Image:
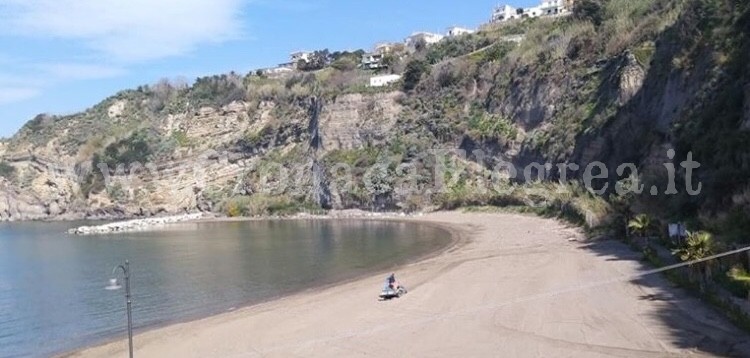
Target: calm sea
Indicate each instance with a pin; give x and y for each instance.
(52, 296)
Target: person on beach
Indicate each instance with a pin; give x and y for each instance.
(391, 282)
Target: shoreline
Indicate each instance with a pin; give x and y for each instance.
(457, 237)
(510, 267)
(162, 223)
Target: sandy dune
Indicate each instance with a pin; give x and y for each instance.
(516, 286)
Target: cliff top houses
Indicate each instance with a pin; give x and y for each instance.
(429, 38)
(374, 60)
(544, 9)
(454, 31)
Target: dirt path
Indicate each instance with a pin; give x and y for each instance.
(517, 287)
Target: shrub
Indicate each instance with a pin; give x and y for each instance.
(447, 75)
(644, 52)
(640, 225)
(569, 201)
(589, 10)
(181, 138)
(345, 63)
(413, 74)
(216, 91)
(39, 123)
(260, 205)
(737, 281)
(491, 126)
(455, 47)
(255, 139)
(270, 90)
(699, 245)
(116, 193)
(317, 61)
(234, 208)
(7, 171)
(495, 52)
(135, 149)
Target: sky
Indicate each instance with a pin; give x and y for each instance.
(63, 56)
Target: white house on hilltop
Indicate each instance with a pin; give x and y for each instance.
(505, 13)
(428, 37)
(545, 8)
(387, 47)
(458, 31)
(373, 61)
(300, 56)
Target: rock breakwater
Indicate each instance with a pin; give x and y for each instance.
(134, 225)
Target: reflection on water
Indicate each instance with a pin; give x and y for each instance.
(52, 296)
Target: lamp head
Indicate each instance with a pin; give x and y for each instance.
(113, 285)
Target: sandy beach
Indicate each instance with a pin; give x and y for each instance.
(512, 285)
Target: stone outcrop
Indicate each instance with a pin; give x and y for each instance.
(631, 78)
(18, 206)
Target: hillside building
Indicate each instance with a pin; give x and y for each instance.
(544, 9)
(458, 31)
(429, 38)
(373, 61)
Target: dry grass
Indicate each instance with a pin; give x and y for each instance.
(625, 23)
(550, 39)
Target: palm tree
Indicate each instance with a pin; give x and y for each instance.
(698, 246)
(640, 225)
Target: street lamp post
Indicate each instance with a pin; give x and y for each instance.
(113, 286)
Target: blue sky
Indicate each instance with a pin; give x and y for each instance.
(62, 56)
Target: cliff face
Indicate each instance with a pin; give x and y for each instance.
(209, 150)
(621, 86)
(355, 120)
(14, 205)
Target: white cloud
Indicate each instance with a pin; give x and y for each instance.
(80, 71)
(128, 30)
(114, 34)
(17, 94)
(19, 82)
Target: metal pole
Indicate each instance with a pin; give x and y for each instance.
(129, 302)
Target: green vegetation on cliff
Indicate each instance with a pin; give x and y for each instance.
(619, 81)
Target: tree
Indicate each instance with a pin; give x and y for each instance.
(217, 91)
(698, 246)
(590, 10)
(413, 74)
(640, 225)
(337, 55)
(162, 92)
(317, 61)
(389, 60)
(345, 63)
(420, 45)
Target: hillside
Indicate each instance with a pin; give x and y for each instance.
(620, 81)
